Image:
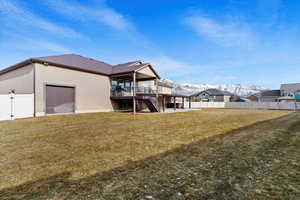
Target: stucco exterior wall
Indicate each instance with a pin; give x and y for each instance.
(226, 98)
(268, 99)
(219, 99)
(20, 80)
(92, 91)
(289, 89)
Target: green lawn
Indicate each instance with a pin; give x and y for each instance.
(208, 154)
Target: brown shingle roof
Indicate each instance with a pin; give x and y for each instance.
(78, 62)
(127, 67)
(266, 93)
(214, 92)
(81, 63)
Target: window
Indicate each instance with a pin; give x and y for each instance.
(114, 84)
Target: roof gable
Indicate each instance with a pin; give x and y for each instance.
(147, 69)
(135, 66)
(126, 67)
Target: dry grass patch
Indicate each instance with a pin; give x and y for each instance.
(86, 144)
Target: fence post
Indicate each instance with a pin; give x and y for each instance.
(12, 99)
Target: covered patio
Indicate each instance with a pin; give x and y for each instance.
(176, 102)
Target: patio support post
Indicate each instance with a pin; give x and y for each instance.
(190, 102)
(182, 102)
(164, 103)
(174, 102)
(157, 103)
(134, 92)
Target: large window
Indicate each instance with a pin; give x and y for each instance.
(121, 83)
(114, 84)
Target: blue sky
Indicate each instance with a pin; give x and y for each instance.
(250, 42)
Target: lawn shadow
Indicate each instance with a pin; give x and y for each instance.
(201, 168)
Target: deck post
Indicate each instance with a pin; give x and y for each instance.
(164, 103)
(157, 103)
(174, 102)
(182, 102)
(134, 92)
(190, 102)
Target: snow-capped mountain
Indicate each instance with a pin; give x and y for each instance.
(188, 89)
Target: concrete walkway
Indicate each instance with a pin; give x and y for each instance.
(171, 110)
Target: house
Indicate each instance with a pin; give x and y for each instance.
(286, 99)
(237, 98)
(287, 93)
(253, 97)
(268, 95)
(75, 84)
(213, 95)
(290, 90)
(240, 99)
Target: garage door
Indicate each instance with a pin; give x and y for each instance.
(60, 99)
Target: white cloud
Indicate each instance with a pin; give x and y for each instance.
(19, 18)
(46, 45)
(111, 18)
(34, 45)
(100, 14)
(105, 15)
(170, 67)
(229, 34)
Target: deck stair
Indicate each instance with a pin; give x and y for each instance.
(151, 102)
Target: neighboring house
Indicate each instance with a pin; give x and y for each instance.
(236, 98)
(241, 100)
(290, 90)
(268, 96)
(213, 95)
(75, 84)
(297, 96)
(253, 97)
(286, 99)
(287, 93)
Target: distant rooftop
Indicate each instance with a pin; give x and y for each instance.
(270, 93)
(214, 92)
(290, 86)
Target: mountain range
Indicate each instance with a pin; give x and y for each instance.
(189, 89)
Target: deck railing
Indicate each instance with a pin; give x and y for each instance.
(128, 91)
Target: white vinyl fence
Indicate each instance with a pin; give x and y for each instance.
(264, 105)
(247, 105)
(16, 106)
